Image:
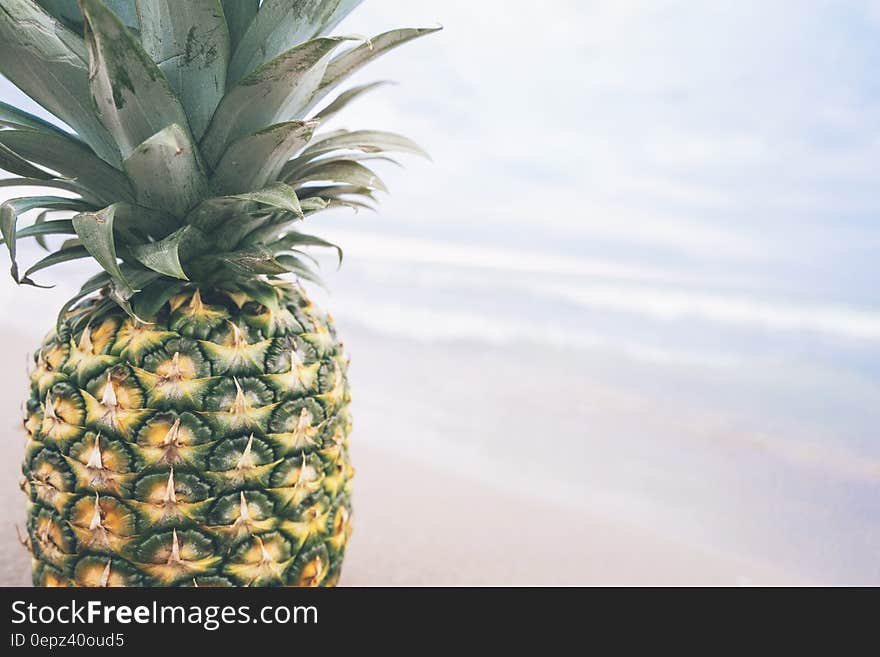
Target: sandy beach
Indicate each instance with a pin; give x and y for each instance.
(448, 531)
(416, 524)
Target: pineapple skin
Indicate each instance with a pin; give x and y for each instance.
(208, 448)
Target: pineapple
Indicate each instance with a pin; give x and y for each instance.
(188, 421)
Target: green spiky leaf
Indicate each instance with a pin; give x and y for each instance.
(239, 14)
(166, 172)
(211, 213)
(122, 292)
(148, 302)
(36, 230)
(329, 192)
(54, 183)
(293, 265)
(13, 117)
(368, 141)
(346, 64)
(66, 11)
(14, 163)
(232, 234)
(341, 171)
(50, 64)
(164, 256)
(62, 255)
(69, 12)
(95, 283)
(228, 233)
(41, 239)
(95, 229)
(13, 208)
(293, 238)
(279, 196)
(293, 169)
(71, 158)
(343, 100)
(133, 98)
(252, 261)
(312, 204)
(134, 224)
(190, 42)
(281, 24)
(283, 86)
(253, 161)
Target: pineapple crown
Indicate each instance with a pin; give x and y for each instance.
(196, 147)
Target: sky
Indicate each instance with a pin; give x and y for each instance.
(727, 135)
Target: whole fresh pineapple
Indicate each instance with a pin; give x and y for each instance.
(188, 417)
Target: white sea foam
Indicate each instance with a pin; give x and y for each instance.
(653, 292)
(393, 248)
(433, 325)
(670, 304)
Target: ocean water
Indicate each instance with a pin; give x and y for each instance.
(744, 419)
(815, 362)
